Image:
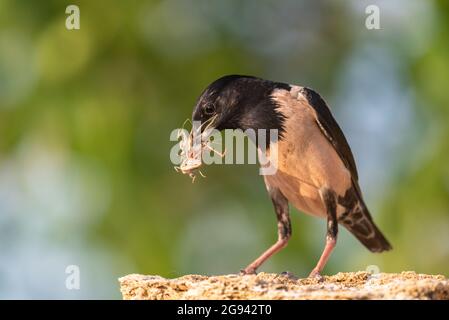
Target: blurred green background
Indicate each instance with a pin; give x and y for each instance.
(85, 119)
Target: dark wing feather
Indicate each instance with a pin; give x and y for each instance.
(331, 130)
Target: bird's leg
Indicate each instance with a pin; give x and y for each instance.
(330, 203)
(284, 231)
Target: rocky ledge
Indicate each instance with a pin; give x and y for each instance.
(351, 285)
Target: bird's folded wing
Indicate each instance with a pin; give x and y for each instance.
(331, 130)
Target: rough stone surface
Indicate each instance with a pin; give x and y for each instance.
(352, 285)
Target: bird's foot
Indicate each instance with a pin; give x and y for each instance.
(247, 271)
(315, 274)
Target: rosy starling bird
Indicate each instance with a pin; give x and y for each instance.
(316, 171)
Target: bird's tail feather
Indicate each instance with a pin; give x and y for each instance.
(361, 225)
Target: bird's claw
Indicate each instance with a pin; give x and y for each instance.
(315, 274)
(247, 271)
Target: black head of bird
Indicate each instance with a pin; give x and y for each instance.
(317, 172)
(239, 102)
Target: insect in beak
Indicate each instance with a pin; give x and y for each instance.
(192, 146)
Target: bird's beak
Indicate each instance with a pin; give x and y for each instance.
(204, 129)
(199, 137)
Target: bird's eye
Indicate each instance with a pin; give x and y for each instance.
(209, 109)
